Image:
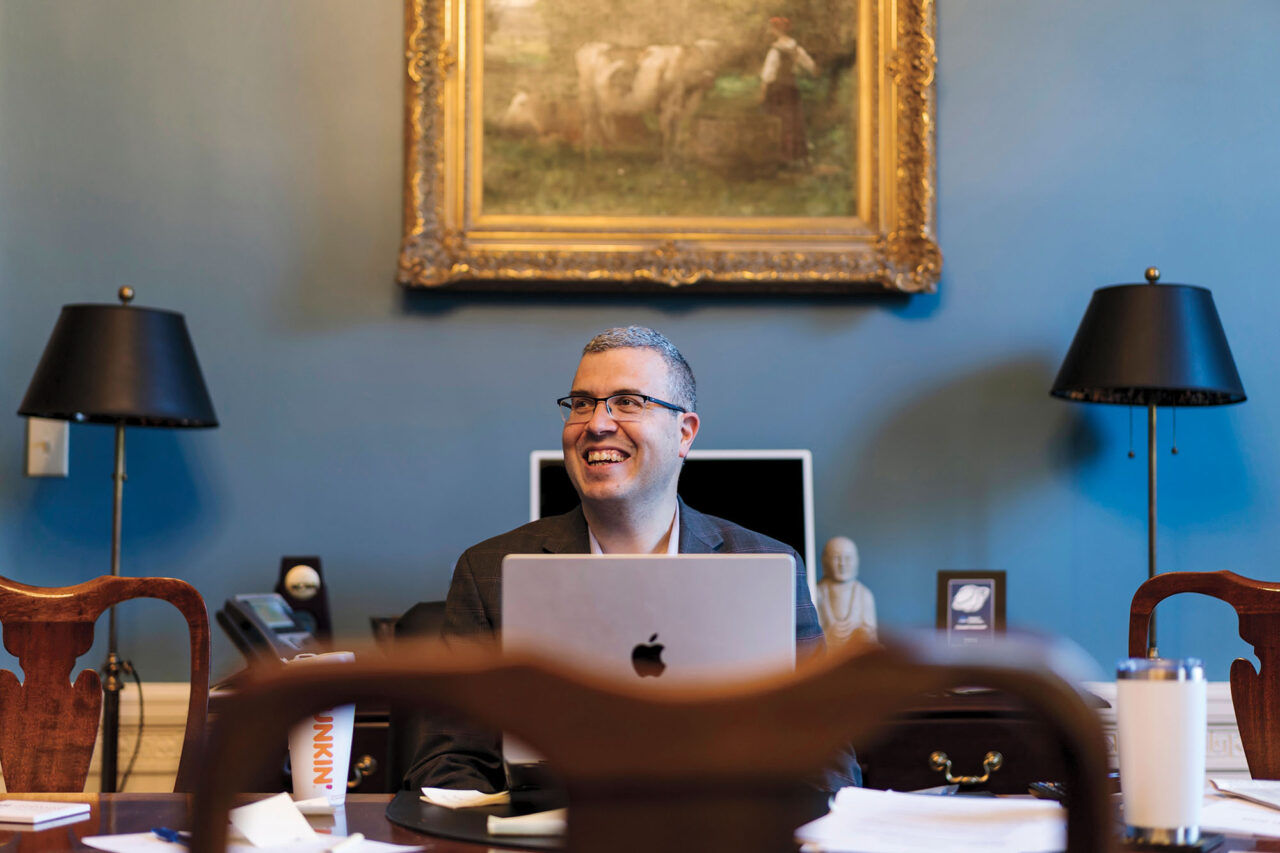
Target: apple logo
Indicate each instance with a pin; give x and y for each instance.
(647, 658)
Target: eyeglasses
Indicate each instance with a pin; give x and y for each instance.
(577, 409)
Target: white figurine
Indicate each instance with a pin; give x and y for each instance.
(846, 608)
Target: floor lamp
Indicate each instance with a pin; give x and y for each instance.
(1150, 345)
(124, 366)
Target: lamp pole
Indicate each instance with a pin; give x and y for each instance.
(1152, 652)
(1152, 275)
(114, 667)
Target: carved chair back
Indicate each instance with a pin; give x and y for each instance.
(708, 769)
(1255, 694)
(48, 725)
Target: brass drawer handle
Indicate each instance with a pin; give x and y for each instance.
(364, 766)
(991, 762)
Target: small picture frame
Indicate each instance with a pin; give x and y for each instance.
(971, 606)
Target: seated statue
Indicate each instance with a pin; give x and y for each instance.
(846, 608)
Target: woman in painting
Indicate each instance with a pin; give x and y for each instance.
(778, 91)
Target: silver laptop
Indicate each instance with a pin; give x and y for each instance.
(653, 620)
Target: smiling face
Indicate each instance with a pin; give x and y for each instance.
(635, 465)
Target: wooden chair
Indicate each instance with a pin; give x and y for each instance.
(47, 724)
(706, 770)
(1255, 694)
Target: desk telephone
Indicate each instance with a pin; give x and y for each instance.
(264, 627)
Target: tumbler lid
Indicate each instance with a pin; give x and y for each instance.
(1161, 669)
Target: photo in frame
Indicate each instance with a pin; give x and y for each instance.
(723, 145)
(971, 606)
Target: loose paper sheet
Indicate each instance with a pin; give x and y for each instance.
(274, 824)
(1265, 792)
(451, 799)
(550, 822)
(866, 821)
(1239, 817)
(146, 842)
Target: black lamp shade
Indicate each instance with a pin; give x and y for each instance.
(120, 364)
(1150, 344)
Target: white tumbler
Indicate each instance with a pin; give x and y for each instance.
(320, 745)
(1161, 721)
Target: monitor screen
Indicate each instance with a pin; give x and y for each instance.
(271, 609)
(768, 491)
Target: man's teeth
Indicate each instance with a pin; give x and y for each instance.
(598, 456)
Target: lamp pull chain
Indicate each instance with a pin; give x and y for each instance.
(1174, 448)
(1131, 432)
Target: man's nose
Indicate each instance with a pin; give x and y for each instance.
(601, 420)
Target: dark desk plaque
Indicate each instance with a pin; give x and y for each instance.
(971, 606)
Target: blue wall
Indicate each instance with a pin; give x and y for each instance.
(240, 162)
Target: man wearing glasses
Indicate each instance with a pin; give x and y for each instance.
(629, 422)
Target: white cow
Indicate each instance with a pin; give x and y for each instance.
(668, 80)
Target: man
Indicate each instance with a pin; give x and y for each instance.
(779, 92)
(630, 420)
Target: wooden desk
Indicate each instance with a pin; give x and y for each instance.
(120, 813)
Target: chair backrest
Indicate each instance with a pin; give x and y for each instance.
(707, 770)
(47, 724)
(1255, 694)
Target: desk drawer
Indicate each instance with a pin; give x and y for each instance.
(901, 759)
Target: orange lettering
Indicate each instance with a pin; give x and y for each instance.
(324, 775)
(324, 734)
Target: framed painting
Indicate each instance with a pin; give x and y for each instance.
(971, 606)
(773, 146)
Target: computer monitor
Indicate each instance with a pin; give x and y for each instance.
(769, 491)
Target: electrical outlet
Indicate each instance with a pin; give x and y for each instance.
(47, 444)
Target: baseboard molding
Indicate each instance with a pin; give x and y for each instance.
(1224, 752)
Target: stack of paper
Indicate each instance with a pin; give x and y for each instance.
(866, 821)
(40, 811)
(1246, 807)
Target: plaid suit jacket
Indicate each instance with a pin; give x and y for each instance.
(453, 756)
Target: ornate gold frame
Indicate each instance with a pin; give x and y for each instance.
(888, 246)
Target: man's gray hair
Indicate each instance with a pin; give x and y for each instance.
(683, 387)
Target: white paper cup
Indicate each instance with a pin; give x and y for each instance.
(1161, 721)
(320, 745)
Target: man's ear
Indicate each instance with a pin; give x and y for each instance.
(689, 422)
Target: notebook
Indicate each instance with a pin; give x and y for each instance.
(652, 620)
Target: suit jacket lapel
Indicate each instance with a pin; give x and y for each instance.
(697, 534)
(567, 534)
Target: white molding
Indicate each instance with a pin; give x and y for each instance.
(1224, 751)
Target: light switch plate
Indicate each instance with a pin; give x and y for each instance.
(48, 442)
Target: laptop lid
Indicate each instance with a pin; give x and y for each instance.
(653, 619)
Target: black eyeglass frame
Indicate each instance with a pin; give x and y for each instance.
(566, 412)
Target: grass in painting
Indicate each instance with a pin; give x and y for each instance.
(524, 177)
